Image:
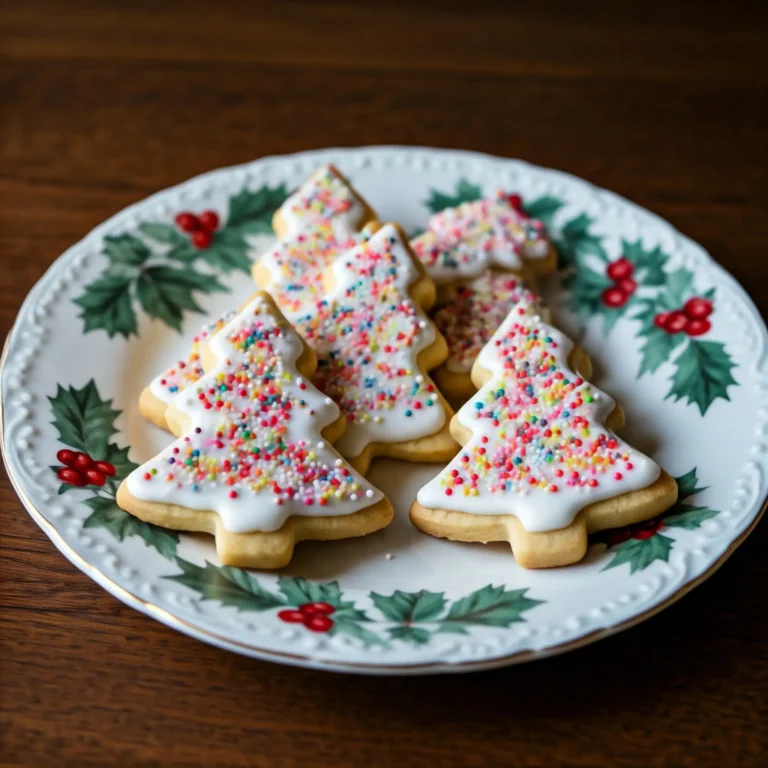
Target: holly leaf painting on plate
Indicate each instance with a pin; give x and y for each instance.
(465, 193)
(85, 423)
(157, 274)
(419, 615)
(642, 544)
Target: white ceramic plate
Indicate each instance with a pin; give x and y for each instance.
(104, 318)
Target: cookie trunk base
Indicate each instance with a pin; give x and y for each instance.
(258, 550)
(549, 549)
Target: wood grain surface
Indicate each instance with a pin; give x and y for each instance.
(103, 103)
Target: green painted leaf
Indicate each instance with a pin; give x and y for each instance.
(228, 252)
(465, 192)
(543, 209)
(165, 292)
(125, 249)
(686, 485)
(184, 252)
(410, 606)
(703, 374)
(254, 209)
(575, 243)
(298, 591)
(232, 587)
(119, 458)
(415, 635)
(657, 349)
(490, 606)
(163, 233)
(346, 626)
(106, 514)
(678, 287)
(649, 263)
(106, 305)
(640, 553)
(688, 517)
(83, 420)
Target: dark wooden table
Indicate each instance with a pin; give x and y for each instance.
(104, 103)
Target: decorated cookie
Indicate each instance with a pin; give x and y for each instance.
(165, 387)
(321, 220)
(540, 466)
(468, 322)
(375, 345)
(461, 243)
(252, 464)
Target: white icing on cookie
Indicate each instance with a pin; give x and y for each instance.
(539, 448)
(253, 452)
(463, 242)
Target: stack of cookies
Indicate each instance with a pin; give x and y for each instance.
(359, 344)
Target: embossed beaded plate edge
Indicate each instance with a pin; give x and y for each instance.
(433, 606)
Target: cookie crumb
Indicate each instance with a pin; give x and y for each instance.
(389, 556)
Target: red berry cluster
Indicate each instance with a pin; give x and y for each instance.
(80, 469)
(314, 616)
(620, 272)
(640, 531)
(691, 319)
(515, 202)
(200, 228)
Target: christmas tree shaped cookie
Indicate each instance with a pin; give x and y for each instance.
(540, 466)
(317, 223)
(252, 464)
(375, 346)
(165, 387)
(461, 243)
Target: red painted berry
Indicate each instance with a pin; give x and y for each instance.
(318, 622)
(515, 201)
(646, 530)
(310, 609)
(202, 238)
(105, 468)
(187, 222)
(82, 461)
(697, 308)
(70, 476)
(94, 477)
(675, 322)
(628, 285)
(66, 457)
(620, 269)
(697, 327)
(614, 297)
(209, 220)
(660, 321)
(618, 536)
(291, 617)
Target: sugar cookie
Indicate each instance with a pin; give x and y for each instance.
(252, 464)
(540, 467)
(461, 243)
(375, 345)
